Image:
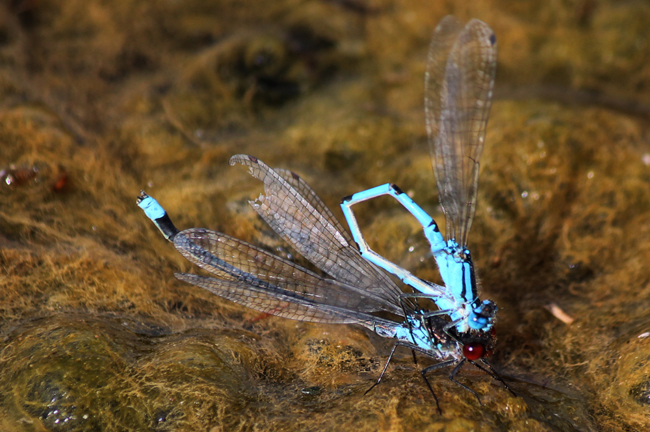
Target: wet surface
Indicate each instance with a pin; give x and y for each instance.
(102, 100)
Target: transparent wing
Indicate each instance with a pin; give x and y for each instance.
(459, 80)
(263, 281)
(295, 212)
(286, 304)
(269, 299)
(305, 191)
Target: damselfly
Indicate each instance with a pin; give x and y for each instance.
(355, 291)
(459, 80)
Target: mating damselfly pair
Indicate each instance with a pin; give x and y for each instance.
(355, 287)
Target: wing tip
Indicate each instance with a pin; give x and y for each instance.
(243, 159)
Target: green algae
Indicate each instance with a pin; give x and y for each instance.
(98, 335)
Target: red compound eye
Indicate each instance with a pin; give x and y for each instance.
(473, 351)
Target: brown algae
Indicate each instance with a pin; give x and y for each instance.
(96, 332)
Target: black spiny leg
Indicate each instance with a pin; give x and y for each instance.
(390, 357)
(426, 370)
(490, 371)
(452, 376)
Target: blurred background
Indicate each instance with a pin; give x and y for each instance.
(99, 100)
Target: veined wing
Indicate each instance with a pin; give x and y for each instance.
(254, 278)
(459, 80)
(273, 300)
(305, 191)
(293, 210)
(267, 299)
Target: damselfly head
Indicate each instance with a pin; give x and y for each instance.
(474, 351)
(476, 343)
